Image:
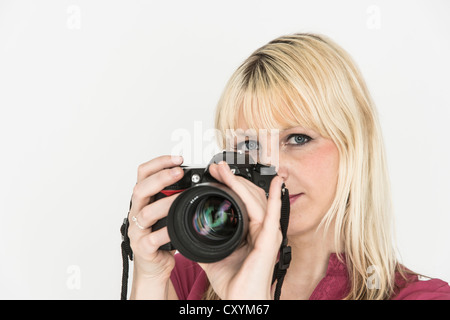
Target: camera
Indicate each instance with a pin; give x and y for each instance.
(208, 220)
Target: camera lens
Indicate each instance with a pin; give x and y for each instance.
(215, 219)
(207, 222)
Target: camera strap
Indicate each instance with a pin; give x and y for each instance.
(285, 251)
(127, 253)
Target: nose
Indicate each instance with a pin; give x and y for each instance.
(283, 166)
(283, 173)
(276, 160)
(268, 153)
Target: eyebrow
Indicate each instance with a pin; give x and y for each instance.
(239, 133)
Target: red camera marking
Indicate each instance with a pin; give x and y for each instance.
(171, 192)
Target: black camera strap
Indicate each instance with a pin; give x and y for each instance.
(127, 253)
(285, 251)
(280, 267)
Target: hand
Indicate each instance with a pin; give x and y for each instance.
(247, 272)
(153, 176)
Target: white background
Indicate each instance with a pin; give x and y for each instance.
(91, 89)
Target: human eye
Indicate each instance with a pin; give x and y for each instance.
(247, 146)
(298, 139)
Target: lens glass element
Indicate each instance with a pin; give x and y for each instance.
(215, 218)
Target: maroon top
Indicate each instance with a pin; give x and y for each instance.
(190, 283)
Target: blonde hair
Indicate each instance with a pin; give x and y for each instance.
(308, 80)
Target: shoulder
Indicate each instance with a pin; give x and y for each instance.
(418, 289)
(188, 279)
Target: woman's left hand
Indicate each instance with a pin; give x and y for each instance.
(247, 272)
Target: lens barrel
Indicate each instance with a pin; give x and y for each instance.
(207, 222)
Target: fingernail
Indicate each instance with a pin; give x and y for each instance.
(176, 171)
(177, 159)
(279, 181)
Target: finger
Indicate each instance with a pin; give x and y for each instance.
(155, 211)
(154, 184)
(274, 201)
(227, 177)
(245, 189)
(214, 171)
(157, 164)
(271, 233)
(151, 242)
(222, 173)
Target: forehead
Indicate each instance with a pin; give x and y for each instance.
(273, 109)
(259, 121)
(243, 129)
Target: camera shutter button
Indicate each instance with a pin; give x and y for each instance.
(195, 178)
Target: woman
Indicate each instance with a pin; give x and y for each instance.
(308, 91)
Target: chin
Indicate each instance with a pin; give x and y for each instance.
(301, 224)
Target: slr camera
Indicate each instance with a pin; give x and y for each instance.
(208, 220)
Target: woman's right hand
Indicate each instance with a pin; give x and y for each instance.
(152, 266)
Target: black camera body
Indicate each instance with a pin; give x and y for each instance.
(208, 221)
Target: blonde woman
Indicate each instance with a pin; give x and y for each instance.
(330, 153)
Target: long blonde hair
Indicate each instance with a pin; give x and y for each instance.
(308, 80)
